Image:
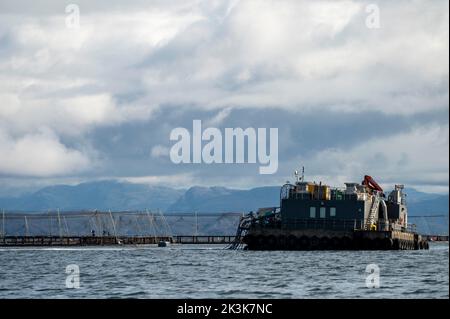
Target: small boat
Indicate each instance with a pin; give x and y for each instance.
(163, 243)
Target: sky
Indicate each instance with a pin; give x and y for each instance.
(97, 100)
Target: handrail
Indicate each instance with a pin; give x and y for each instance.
(333, 223)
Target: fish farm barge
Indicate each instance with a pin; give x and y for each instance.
(317, 217)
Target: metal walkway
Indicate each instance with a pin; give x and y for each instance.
(37, 241)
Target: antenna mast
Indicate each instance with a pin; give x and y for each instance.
(300, 178)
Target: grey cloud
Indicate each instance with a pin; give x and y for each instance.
(302, 134)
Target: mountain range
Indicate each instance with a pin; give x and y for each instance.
(115, 196)
(120, 196)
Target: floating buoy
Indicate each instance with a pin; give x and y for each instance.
(163, 243)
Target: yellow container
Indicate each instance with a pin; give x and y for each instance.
(322, 192)
(326, 192)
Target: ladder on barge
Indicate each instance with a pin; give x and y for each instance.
(244, 225)
(373, 213)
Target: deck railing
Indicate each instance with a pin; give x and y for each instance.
(332, 224)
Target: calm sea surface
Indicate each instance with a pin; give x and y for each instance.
(191, 271)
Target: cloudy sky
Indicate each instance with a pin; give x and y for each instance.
(99, 101)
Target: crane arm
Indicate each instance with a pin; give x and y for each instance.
(370, 182)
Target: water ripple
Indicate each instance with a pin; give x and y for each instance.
(211, 272)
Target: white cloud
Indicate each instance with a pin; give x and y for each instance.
(68, 79)
(415, 158)
(39, 154)
(305, 54)
(219, 118)
(159, 151)
(72, 115)
(294, 54)
(173, 180)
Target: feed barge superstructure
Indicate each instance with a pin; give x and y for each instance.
(314, 216)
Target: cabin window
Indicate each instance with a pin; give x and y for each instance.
(312, 212)
(332, 211)
(323, 211)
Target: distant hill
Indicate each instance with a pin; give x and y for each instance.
(101, 195)
(219, 199)
(414, 196)
(434, 212)
(437, 205)
(104, 195)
